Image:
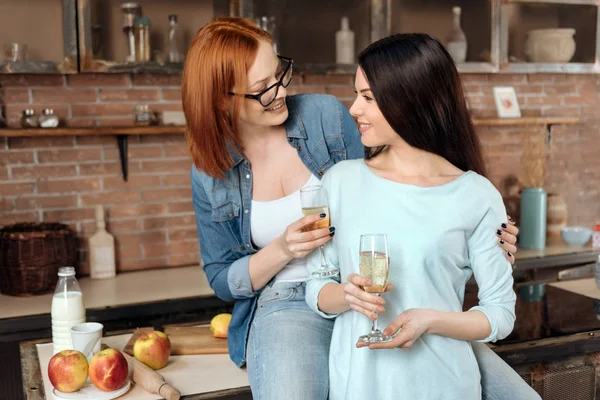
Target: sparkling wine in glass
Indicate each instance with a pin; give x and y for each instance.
(314, 201)
(374, 265)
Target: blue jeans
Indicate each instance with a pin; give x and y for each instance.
(288, 347)
(288, 352)
(498, 380)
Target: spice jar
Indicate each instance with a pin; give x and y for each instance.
(142, 115)
(48, 119)
(142, 39)
(130, 11)
(29, 119)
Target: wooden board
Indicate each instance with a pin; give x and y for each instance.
(186, 340)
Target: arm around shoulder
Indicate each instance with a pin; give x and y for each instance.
(492, 271)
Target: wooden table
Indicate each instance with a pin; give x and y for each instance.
(33, 378)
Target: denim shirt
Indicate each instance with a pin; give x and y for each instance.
(323, 132)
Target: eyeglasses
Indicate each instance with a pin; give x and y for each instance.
(268, 96)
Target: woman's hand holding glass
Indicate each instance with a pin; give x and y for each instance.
(360, 300)
(297, 242)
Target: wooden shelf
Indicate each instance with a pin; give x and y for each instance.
(567, 2)
(107, 131)
(552, 68)
(175, 130)
(526, 121)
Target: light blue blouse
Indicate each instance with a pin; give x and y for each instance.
(438, 238)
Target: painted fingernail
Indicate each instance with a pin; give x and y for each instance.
(509, 254)
(323, 215)
(331, 234)
(331, 229)
(501, 241)
(504, 226)
(498, 232)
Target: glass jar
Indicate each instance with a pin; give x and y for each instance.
(142, 39)
(29, 119)
(130, 12)
(142, 115)
(48, 119)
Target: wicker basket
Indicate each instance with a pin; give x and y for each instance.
(30, 255)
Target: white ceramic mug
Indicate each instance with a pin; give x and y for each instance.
(87, 338)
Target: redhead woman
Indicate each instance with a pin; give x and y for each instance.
(253, 148)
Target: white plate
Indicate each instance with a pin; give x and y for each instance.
(91, 392)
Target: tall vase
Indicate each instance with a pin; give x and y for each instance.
(533, 218)
(456, 42)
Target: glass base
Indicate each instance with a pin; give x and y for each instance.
(325, 273)
(375, 337)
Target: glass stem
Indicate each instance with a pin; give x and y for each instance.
(323, 262)
(375, 326)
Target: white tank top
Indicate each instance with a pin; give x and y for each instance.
(269, 219)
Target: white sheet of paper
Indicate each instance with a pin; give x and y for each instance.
(191, 374)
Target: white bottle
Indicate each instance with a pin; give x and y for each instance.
(175, 50)
(67, 309)
(344, 44)
(102, 249)
(456, 42)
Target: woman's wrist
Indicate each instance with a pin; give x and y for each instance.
(284, 256)
(434, 321)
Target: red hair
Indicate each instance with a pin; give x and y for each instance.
(217, 62)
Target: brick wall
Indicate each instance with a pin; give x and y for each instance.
(151, 216)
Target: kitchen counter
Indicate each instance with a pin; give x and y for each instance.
(141, 298)
(555, 255)
(125, 289)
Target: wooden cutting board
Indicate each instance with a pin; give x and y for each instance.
(186, 340)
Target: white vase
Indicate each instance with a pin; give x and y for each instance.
(456, 42)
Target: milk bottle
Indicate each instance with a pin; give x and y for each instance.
(67, 309)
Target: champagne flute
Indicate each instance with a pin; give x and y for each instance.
(314, 202)
(374, 265)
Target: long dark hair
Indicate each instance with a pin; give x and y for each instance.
(419, 92)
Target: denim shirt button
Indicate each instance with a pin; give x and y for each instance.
(246, 211)
(247, 176)
(248, 245)
(290, 140)
(299, 148)
(320, 173)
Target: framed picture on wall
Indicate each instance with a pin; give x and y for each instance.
(506, 102)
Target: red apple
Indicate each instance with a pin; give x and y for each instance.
(109, 370)
(153, 348)
(68, 370)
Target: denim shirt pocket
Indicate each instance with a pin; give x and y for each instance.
(226, 212)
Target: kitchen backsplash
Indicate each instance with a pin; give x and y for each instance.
(62, 178)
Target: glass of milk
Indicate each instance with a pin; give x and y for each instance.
(67, 309)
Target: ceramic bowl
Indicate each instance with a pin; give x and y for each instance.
(576, 235)
(550, 45)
